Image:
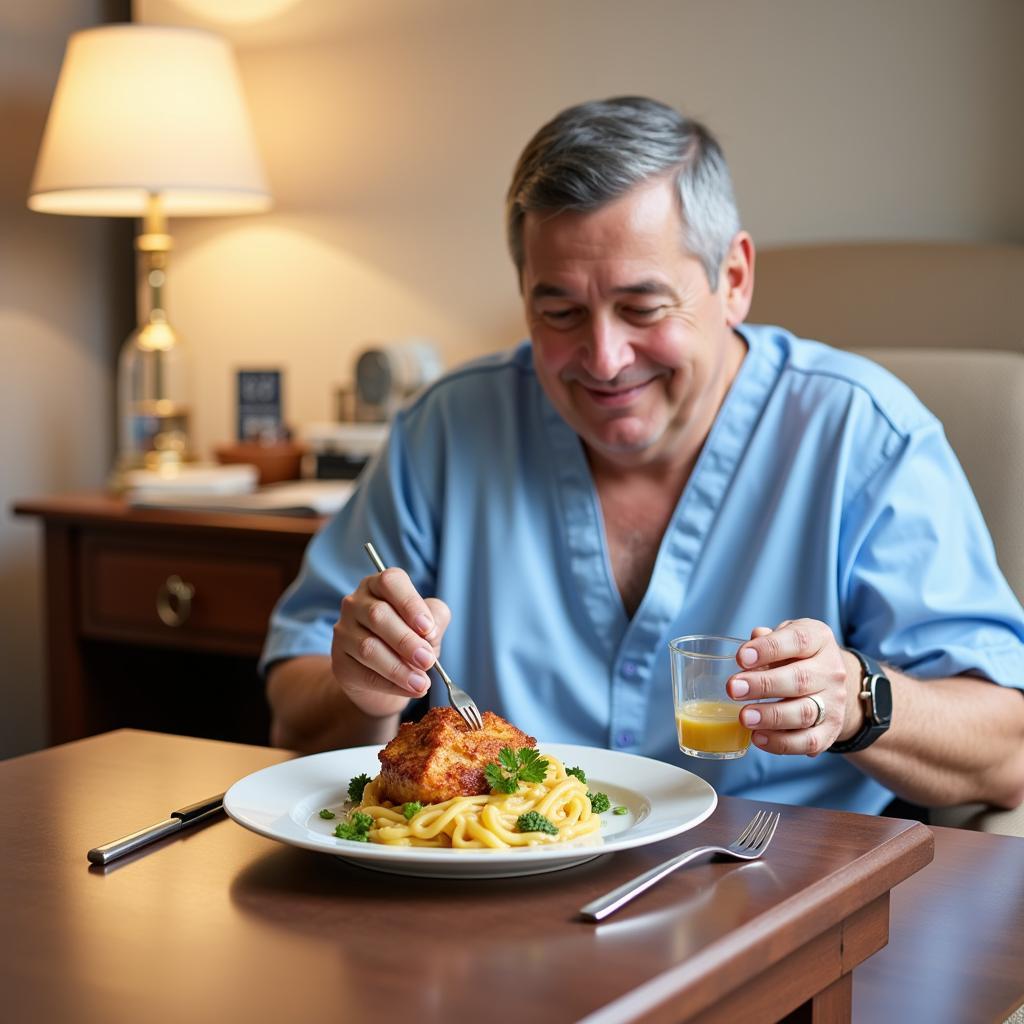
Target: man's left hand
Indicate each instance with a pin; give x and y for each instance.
(801, 667)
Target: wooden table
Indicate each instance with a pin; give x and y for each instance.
(113, 616)
(219, 924)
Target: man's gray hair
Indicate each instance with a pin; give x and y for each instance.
(595, 152)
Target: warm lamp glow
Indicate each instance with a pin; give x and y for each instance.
(238, 12)
(147, 110)
(149, 122)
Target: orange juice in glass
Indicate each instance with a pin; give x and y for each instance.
(707, 720)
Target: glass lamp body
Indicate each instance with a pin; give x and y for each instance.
(153, 399)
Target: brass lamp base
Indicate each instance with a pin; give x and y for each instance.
(153, 376)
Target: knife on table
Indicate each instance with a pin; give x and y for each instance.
(179, 819)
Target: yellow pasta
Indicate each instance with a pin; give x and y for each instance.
(479, 822)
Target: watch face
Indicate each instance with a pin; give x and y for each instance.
(881, 698)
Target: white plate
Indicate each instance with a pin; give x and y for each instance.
(283, 802)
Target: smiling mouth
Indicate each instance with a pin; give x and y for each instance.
(615, 397)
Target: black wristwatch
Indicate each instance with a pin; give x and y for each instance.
(876, 692)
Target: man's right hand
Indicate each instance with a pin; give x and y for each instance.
(385, 640)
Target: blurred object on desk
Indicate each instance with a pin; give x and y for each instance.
(260, 400)
(275, 461)
(194, 478)
(340, 450)
(290, 498)
(385, 376)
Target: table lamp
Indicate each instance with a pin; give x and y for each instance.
(149, 121)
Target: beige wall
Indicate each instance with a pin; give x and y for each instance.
(58, 293)
(389, 132)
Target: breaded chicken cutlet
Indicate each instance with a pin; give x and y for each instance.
(440, 757)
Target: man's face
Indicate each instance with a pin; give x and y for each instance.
(627, 334)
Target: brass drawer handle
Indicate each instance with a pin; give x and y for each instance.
(174, 601)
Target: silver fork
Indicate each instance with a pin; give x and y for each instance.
(752, 842)
(459, 699)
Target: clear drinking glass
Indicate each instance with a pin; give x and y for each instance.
(707, 719)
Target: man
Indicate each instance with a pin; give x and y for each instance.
(648, 466)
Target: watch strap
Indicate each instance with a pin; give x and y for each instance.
(871, 729)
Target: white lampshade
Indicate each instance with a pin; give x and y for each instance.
(146, 110)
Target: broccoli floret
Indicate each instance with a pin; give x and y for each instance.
(599, 802)
(410, 809)
(534, 821)
(356, 787)
(578, 772)
(356, 829)
(326, 814)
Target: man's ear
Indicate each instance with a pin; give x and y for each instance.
(737, 279)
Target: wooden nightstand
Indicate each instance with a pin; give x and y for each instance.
(155, 618)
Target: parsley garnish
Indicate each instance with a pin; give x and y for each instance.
(356, 829)
(410, 809)
(325, 813)
(525, 765)
(599, 802)
(534, 821)
(578, 772)
(356, 787)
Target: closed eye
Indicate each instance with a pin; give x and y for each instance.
(563, 318)
(641, 315)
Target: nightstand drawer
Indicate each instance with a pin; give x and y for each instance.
(178, 596)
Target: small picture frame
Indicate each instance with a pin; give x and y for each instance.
(260, 407)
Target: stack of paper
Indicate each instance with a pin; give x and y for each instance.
(300, 497)
(190, 478)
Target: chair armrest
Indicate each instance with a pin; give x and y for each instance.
(980, 818)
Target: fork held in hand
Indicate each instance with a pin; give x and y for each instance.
(459, 699)
(752, 842)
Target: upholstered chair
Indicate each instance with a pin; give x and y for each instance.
(946, 319)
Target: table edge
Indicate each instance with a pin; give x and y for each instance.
(108, 510)
(743, 953)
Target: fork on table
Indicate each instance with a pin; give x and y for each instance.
(749, 845)
(457, 697)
